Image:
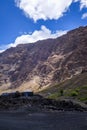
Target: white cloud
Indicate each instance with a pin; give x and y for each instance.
(47, 9)
(44, 9)
(2, 51)
(83, 4)
(43, 33)
(84, 16)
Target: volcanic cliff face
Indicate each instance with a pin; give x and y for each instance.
(40, 64)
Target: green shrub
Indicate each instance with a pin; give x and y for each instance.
(61, 92)
(74, 93)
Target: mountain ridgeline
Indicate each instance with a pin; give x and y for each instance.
(44, 63)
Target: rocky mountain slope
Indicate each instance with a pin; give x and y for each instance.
(41, 64)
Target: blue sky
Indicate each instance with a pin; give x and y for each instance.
(26, 21)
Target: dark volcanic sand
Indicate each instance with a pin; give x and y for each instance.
(43, 121)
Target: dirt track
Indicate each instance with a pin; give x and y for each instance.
(43, 121)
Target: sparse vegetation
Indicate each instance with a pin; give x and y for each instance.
(54, 96)
(75, 88)
(83, 99)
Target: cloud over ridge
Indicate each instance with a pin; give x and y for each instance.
(43, 33)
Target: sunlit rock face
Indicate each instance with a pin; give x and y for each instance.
(37, 65)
